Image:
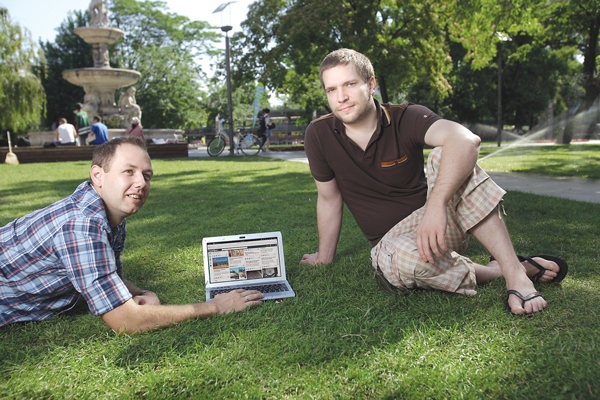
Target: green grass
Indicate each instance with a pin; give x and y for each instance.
(575, 160)
(340, 338)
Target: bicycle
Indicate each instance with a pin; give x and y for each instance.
(243, 140)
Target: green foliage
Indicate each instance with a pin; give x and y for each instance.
(68, 51)
(215, 102)
(164, 47)
(22, 98)
(405, 41)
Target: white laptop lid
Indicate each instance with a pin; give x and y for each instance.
(243, 260)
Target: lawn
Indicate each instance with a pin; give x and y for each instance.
(340, 338)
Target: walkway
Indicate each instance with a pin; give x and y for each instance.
(568, 188)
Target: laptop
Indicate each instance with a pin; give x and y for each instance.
(252, 261)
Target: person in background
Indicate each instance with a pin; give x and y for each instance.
(99, 130)
(71, 250)
(267, 121)
(82, 124)
(136, 128)
(65, 134)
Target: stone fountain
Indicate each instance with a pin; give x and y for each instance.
(101, 81)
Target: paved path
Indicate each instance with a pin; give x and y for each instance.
(568, 188)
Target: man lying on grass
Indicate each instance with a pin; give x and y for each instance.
(370, 156)
(72, 248)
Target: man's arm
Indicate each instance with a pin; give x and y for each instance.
(132, 317)
(329, 222)
(459, 156)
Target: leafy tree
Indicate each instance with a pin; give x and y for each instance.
(22, 98)
(164, 47)
(168, 90)
(404, 40)
(215, 102)
(577, 23)
(68, 51)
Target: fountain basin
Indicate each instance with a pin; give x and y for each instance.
(94, 36)
(101, 79)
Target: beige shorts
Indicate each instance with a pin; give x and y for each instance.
(397, 257)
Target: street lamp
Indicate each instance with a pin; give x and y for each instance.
(226, 29)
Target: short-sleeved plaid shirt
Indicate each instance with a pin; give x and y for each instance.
(51, 256)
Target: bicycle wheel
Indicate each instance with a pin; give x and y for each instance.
(215, 146)
(250, 144)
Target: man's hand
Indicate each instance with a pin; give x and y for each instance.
(311, 259)
(237, 300)
(148, 298)
(431, 233)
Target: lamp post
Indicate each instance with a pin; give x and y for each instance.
(229, 101)
(226, 29)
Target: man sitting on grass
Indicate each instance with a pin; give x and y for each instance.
(72, 248)
(370, 156)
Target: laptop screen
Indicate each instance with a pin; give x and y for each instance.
(234, 261)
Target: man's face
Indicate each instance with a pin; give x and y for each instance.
(125, 187)
(349, 96)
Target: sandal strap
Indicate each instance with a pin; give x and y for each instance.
(535, 264)
(524, 299)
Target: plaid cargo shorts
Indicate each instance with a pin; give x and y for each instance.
(396, 258)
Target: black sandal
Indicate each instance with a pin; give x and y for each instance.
(524, 299)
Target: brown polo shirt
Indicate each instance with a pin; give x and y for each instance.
(383, 184)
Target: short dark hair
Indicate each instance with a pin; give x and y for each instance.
(344, 57)
(99, 118)
(103, 154)
(78, 106)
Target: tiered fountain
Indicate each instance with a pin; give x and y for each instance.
(101, 81)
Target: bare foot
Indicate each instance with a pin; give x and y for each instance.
(531, 306)
(551, 267)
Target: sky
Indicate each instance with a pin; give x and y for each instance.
(42, 17)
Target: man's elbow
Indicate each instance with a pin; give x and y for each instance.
(125, 319)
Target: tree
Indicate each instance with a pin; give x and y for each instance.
(22, 98)
(164, 47)
(404, 40)
(577, 23)
(168, 91)
(68, 51)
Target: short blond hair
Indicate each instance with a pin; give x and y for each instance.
(344, 57)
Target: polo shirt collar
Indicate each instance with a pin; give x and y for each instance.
(383, 115)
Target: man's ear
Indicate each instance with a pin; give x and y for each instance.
(372, 85)
(97, 175)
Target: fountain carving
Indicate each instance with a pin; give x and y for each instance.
(101, 81)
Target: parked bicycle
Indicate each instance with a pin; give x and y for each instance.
(243, 140)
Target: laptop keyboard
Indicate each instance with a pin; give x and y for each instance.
(272, 288)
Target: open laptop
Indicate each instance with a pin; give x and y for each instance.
(253, 261)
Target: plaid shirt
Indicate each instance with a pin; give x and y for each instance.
(52, 256)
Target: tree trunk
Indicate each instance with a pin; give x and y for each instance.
(383, 89)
